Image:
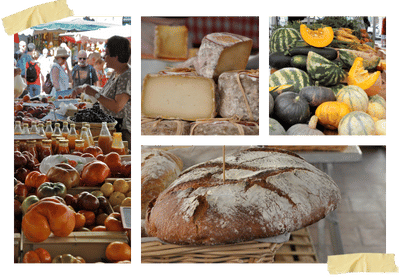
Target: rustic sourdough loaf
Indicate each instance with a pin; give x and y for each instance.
(159, 170)
(266, 192)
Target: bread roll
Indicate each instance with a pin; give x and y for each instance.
(159, 169)
(267, 192)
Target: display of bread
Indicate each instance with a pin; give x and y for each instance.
(158, 170)
(262, 192)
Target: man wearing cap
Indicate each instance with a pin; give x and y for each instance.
(83, 73)
(25, 58)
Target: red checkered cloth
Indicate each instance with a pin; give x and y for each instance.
(201, 26)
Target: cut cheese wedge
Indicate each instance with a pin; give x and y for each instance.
(171, 42)
(221, 52)
(183, 96)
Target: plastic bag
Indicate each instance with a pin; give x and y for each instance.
(19, 86)
(50, 161)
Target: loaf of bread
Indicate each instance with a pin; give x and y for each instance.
(220, 126)
(164, 127)
(159, 169)
(265, 192)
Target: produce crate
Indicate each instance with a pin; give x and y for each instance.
(91, 246)
(243, 252)
(299, 249)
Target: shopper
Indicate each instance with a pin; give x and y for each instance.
(33, 75)
(115, 96)
(26, 57)
(60, 74)
(83, 73)
(101, 74)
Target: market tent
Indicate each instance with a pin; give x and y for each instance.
(70, 24)
(99, 35)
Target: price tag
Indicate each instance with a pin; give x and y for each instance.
(126, 217)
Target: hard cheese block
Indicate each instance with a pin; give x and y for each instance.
(171, 42)
(221, 52)
(183, 96)
(362, 262)
(238, 95)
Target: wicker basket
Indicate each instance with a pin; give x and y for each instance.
(244, 252)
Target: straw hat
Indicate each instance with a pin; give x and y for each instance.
(61, 52)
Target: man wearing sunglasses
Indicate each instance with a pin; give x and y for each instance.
(83, 73)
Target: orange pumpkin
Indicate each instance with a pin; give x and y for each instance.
(80, 220)
(113, 222)
(99, 228)
(330, 113)
(113, 161)
(44, 255)
(358, 76)
(48, 215)
(90, 217)
(319, 38)
(95, 173)
(35, 178)
(118, 251)
(94, 150)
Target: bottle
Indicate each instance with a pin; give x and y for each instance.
(48, 130)
(57, 129)
(17, 128)
(33, 129)
(85, 137)
(63, 147)
(40, 130)
(25, 128)
(65, 130)
(79, 145)
(117, 144)
(91, 140)
(72, 136)
(46, 149)
(105, 139)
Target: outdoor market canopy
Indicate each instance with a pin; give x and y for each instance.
(99, 35)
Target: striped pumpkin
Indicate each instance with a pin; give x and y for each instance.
(377, 99)
(355, 97)
(323, 71)
(357, 123)
(282, 39)
(275, 128)
(376, 110)
(290, 76)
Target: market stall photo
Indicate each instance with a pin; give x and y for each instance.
(261, 204)
(200, 76)
(327, 76)
(72, 152)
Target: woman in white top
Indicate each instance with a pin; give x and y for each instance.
(60, 76)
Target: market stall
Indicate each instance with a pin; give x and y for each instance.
(327, 77)
(193, 88)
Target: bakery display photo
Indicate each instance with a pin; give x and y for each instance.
(327, 75)
(200, 76)
(241, 204)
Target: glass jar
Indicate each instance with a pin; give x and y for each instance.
(31, 148)
(63, 147)
(46, 149)
(79, 145)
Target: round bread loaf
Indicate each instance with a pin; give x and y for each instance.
(267, 192)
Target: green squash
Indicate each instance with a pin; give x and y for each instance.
(370, 61)
(323, 71)
(282, 39)
(291, 108)
(290, 76)
(275, 128)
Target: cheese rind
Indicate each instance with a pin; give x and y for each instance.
(221, 52)
(178, 96)
(171, 42)
(238, 94)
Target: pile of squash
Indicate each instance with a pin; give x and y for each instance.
(318, 90)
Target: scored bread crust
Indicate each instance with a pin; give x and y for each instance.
(266, 192)
(158, 170)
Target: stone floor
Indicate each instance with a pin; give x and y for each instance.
(362, 212)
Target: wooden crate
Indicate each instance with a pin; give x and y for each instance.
(91, 246)
(299, 249)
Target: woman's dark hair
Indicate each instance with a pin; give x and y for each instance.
(119, 46)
